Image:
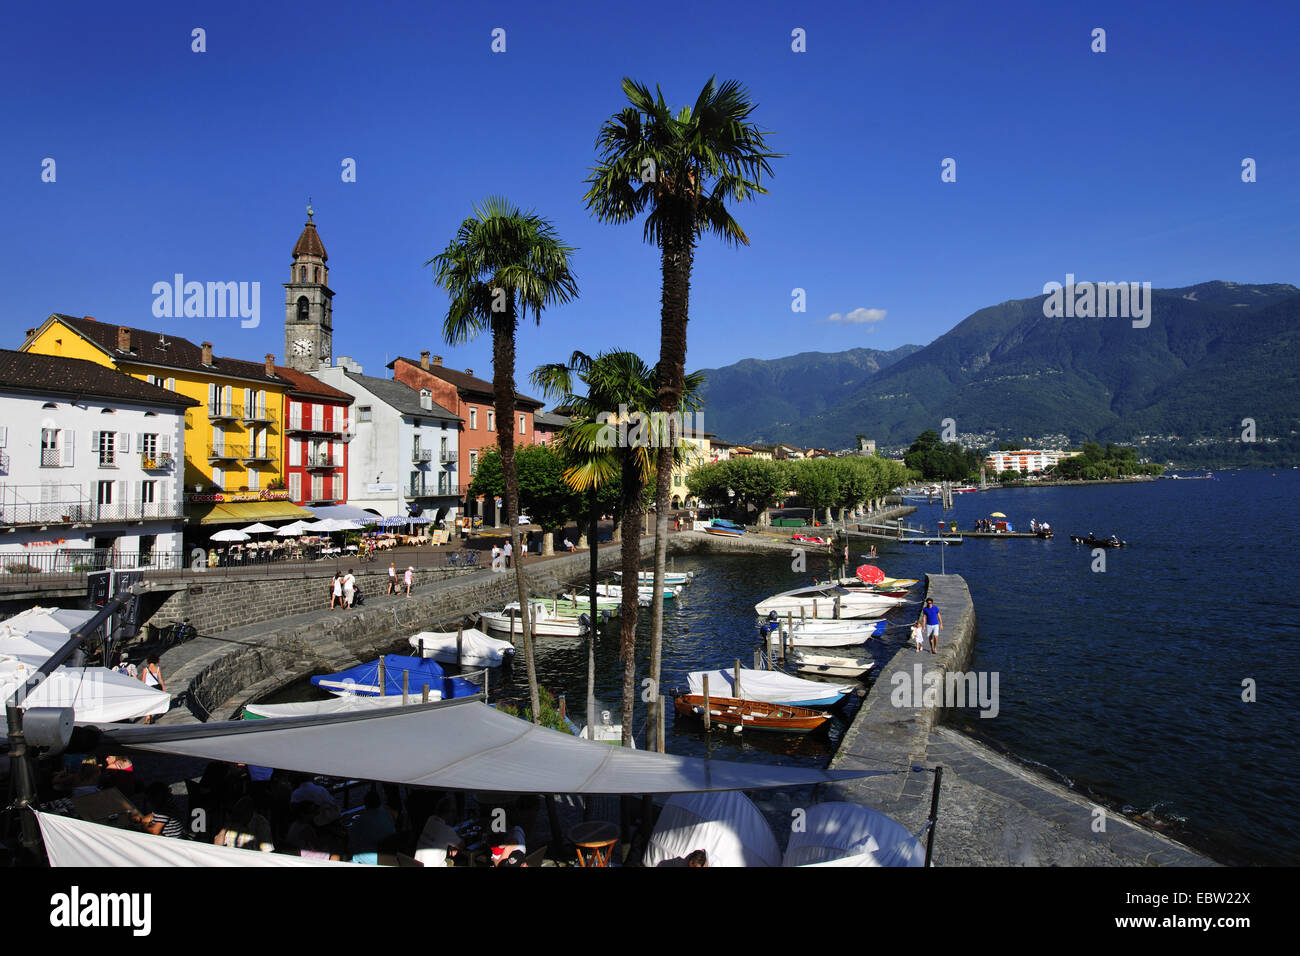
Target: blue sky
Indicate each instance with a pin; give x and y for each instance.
(1115, 166)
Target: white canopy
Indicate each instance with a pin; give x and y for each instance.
(343, 704)
(477, 649)
(257, 528)
(775, 687)
(330, 525)
(459, 744)
(291, 530)
(845, 834)
(230, 534)
(726, 826)
(34, 644)
(98, 695)
(70, 842)
(53, 620)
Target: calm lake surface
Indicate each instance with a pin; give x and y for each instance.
(1126, 683)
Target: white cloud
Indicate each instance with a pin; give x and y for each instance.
(858, 316)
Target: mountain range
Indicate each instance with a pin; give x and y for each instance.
(1213, 355)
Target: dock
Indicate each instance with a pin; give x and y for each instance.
(993, 811)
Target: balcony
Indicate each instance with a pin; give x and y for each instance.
(14, 513)
(51, 458)
(156, 462)
(259, 415)
(225, 452)
(227, 411)
(447, 457)
(317, 426)
(421, 455)
(4, 463)
(263, 454)
(318, 461)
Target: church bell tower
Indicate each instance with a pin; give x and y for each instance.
(308, 330)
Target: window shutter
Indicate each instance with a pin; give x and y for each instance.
(249, 407)
(171, 384)
(123, 503)
(212, 396)
(69, 440)
(295, 487)
(164, 444)
(295, 452)
(94, 443)
(125, 448)
(4, 436)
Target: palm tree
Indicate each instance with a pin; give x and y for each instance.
(502, 264)
(615, 380)
(683, 168)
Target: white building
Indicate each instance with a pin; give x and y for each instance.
(402, 457)
(90, 458)
(1030, 461)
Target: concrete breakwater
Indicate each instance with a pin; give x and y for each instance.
(993, 811)
(218, 672)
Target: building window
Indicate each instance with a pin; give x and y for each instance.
(147, 490)
(473, 461)
(218, 479)
(523, 427)
(302, 274)
(51, 456)
(363, 413)
(304, 307)
(473, 418)
(492, 425)
(254, 479)
(315, 274)
(104, 492)
(104, 448)
(149, 445)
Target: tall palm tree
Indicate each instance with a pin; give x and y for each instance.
(614, 380)
(502, 264)
(681, 169)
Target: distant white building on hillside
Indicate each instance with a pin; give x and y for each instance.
(1030, 461)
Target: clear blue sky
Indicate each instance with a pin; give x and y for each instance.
(1115, 166)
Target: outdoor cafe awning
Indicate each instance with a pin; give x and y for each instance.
(344, 513)
(246, 512)
(459, 745)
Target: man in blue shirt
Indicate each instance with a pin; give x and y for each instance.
(933, 621)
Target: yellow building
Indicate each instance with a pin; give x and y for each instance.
(234, 462)
(697, 450)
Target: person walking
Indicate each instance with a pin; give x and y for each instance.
(392, 578)
(496, 558)
(409, 577)
(151, 675)
(349, 589)
(933, 622)
(508, 553)
(336, 590)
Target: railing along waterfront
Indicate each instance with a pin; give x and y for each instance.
(69, 568)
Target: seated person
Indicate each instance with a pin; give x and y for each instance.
(371, 826)
(438, 840)
(246, 829)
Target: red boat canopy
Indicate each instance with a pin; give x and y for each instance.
(870, 574)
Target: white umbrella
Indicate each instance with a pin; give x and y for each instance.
(257, 528)
(292, 530)
(230, 534)
(56, 620)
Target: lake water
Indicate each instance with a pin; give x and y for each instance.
(1126, 682)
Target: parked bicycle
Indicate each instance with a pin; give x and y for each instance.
(178, 632)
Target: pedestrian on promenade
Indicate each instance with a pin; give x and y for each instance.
(151, 675)
(392, 578)
(410, 576)
(933, 622)
(496, 558)
(918, 636)
(568, 545)
(349, 589)
(336, 590)
(508, 553)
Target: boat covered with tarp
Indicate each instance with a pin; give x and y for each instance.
(774, 687)
(476, 648)
(846, 834)
(363, 679)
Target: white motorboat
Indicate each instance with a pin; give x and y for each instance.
(773, 687)
(670, 577)
(606, 731)
(828, 601)
(545, 622)
(822, 665)
(477, 649)
(644, 593)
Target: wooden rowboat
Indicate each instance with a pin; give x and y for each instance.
(752, 714)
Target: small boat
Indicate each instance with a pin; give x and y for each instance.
(605, 732)
(582, 601)
(728, 529)
(809, 539)
(813, 634)
(751, 714)
(828, 601)
(770, 687)
(644, 592)
(822, 665)
(1097, 542)
(670, 577)
(477, 649)
(344, 704)
(413, 672)
(884, 584)
(545, 621)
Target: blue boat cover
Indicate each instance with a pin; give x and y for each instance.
(724, 523)
(423, 670)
